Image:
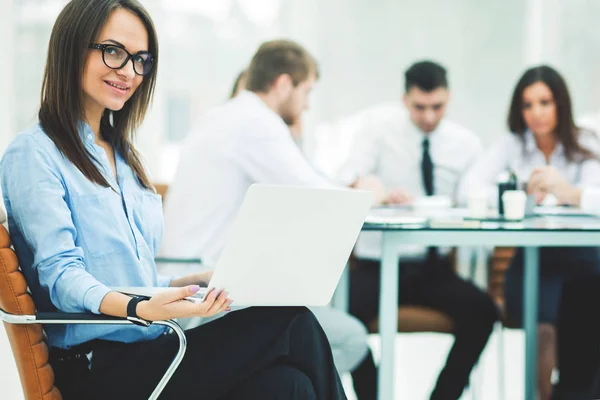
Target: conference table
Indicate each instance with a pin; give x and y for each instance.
(403, 226)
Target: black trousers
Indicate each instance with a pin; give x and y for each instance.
(579, 340)
(433, 284)
(255, 353)
(557, 264)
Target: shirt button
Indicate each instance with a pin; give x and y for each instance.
(90, 136)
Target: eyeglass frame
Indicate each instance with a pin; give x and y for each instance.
(102, 47)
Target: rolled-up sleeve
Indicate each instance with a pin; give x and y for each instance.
(482, 174)
(277, 160)
(590, 174)
(164, 281)
(362, 158)
(41, 213)
(590, 168)
(590, 200)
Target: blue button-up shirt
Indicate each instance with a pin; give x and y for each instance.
(76, 239)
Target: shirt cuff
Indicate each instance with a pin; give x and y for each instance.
(346, 177)
(164, 281)
(590, 200)
(94, 296)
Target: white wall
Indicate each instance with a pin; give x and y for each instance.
(363, 47)
(6, 73)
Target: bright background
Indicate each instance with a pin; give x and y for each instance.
(363, 47)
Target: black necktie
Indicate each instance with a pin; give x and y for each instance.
(427, 173)
(427, 168)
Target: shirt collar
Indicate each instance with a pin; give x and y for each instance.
(246, 95)
(419, 135)
(252, 97)
(85, 133)
(88, 137)
(531, 146)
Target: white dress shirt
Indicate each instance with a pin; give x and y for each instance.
(523, 156)
(590, 122)
(233, 146)
(590, 197)
(391, 148)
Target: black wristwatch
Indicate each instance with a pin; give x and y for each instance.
(132, 313)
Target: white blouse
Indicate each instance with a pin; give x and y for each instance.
(523, 156)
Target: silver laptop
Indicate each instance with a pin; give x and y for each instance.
(288, 245)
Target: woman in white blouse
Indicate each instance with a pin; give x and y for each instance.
(544, 145)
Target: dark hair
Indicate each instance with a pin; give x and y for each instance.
(61, 111)
(426, 75)
(566, 132)
(236, 83)
(276, 58)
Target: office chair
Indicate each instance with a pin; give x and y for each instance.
(26, 337)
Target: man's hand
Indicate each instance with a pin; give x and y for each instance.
(546, 180)
(372, 184)
(382, 195)
(398, 196)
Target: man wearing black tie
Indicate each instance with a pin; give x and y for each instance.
(403, 155)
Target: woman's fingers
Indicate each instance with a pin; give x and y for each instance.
(172, 303)
(219, 304)
(209, 300)
(215, 301)
(225, 303)
(170, 295)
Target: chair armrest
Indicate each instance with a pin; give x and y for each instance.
(53, 317)
(62, 318)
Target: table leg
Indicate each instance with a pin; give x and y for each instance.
(388, 316)
(530, 296)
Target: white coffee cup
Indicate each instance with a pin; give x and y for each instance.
(514, 202)
(477, 202)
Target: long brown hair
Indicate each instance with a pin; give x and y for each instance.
(566, 132)
(61, 111)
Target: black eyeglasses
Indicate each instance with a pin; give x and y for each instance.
(116, 57)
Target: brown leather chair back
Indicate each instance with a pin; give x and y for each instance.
(161, 189)
(413, 319)
(27, 341)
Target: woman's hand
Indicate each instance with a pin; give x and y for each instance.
(171, 303)
(546, 180)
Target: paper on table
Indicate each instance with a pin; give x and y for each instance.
(396, 219)
(454, 223)
(558, 210)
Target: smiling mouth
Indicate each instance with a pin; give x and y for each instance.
(117, 86)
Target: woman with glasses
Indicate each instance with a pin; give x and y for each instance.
(84, 217)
